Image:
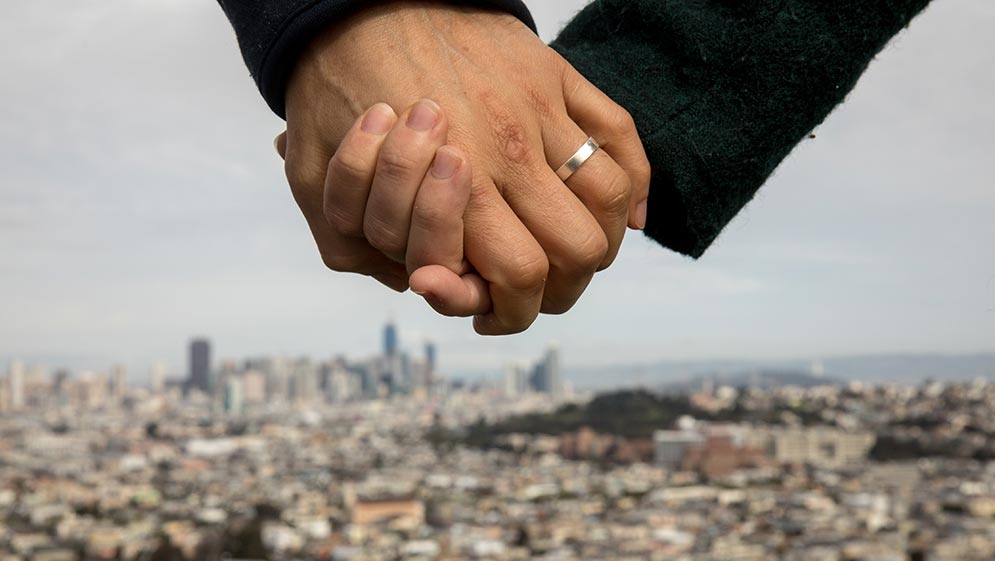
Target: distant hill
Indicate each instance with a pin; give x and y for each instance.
(879, 368)
(913, 368)
(626, 414)
(761, 379)
(630, 414)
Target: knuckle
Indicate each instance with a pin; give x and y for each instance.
(350, 167)
(342, 263)
(622, 122)
(588, 255)
(538, 100)
(511, 138)
(516, 328)
(607, 261)
(395, 165)
(481, 189)
(343, 221)
(513, 326)
(556, 307)
(614, 198)
(303, 177)
(431, 217)
(382, 236)
(593, 253)
(530, 270)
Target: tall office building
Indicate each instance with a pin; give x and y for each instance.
(304, 382)
(430, 356)
(157, 379)
(119, 383)
(94, 388)
(59, 381)
(200, 365)
(553, 373)
(537, 378)
(4, 396)
(277, 373)
(390, 339)
(234, 395)
(16, 386)
(545, 376)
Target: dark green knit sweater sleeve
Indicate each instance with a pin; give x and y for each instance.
(722, 90)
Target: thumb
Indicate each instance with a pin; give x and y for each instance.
(451, 294)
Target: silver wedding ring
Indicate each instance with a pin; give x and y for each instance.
(578, 159)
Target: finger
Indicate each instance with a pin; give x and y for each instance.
(508, 257)
(405, 157)
(436, 235)
(613, 127)
(306, 163)
(353, 255)
(351, 170)
(280, 143)
(600, 184)
(436, 239)
(451, 294)
(572, 239)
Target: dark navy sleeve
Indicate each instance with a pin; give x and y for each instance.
(272, 33)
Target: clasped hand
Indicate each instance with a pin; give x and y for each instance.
(456, 197)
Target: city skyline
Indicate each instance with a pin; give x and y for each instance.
(662, 374)
(259, 381)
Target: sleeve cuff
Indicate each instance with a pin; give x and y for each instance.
(300, 27)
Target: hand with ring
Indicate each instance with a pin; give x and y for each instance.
(533, 239)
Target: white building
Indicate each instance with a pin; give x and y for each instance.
(819, 446)
(669, 446)
(515, 380)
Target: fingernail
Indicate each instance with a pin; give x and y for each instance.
(424, 115)
(641, 215)
(378, 119)
(446, 164)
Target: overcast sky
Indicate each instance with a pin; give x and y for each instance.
(142, 203)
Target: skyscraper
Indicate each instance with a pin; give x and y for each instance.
(16, 386)
(234, 395)
(119, 383)
(426, 370)
(158, 378)
(390, 339)
(515, 380)
(537, 378)
(545, 376)
(200, 365)
(304, 381)
(553, 369)
(430, 354)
